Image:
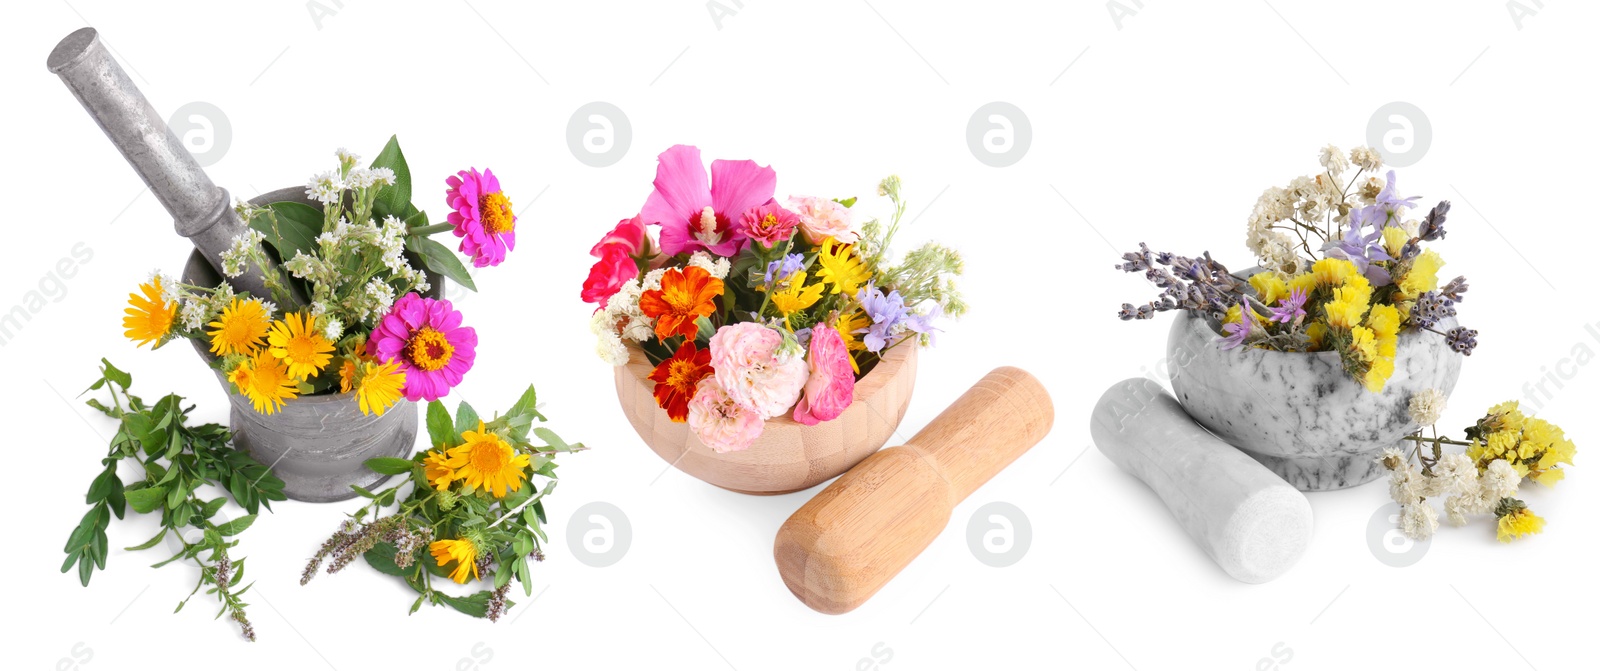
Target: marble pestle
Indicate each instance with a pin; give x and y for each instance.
(1251, 522)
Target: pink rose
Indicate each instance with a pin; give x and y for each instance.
(720, 422)
(821, 219)
(832, 384)
(768, 224)
(619, 252)
(752, 371)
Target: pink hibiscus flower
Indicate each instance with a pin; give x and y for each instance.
(619, 253)
(482, 215)
(695, 214)
(427, 339)
(832, 384)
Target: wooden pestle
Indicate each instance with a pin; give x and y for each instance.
(843, 545)
(200, 209)
(1251, 522)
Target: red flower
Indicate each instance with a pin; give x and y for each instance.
(676, 379)
(619, 252)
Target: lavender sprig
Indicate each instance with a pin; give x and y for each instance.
(1200, 285)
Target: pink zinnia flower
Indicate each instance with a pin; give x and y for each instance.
(832, 384)
(721, 422)
(619, 252)
(768, 224)
(695, 214)
(821, 219)
(753, 372)
(481, 213)
(426, 338)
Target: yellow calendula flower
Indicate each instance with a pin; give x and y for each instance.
(840, 268)
(1270, 286)
(796, 296)
(1422, 277)
(300, 344)
(1395, 239)
(378, 386)
(240, 329)
(149, 317)
(462, 552)
(486, 461)
(266, 381)
(438, 473)
(1517, 522)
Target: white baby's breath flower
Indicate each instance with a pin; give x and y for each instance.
(1366, 158)
(715, 266)
(1418, 520)
(1333, 160)
(1426, 407)
(325, 187)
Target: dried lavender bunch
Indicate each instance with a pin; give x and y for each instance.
(1200, 285)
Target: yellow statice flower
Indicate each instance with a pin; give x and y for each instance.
(1349, 302)
(1332, 272)
(240, 329)
(1363, 344)
(1384, 320)
(1535, 447)
(1317, 332)
(840, 268)
(299, 343)
(1270, 286)
(796, 296)
(1378, 373)
(1422, 277)
(486, 461)
(1517, 523)
(149, 317)
(462, 552)
(1395, 239)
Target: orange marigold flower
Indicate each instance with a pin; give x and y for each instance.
(685, 295)
(677, 377)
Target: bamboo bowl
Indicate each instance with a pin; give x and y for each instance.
(789, 456)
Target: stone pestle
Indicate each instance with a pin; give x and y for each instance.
(1250, 521)
(201, 210)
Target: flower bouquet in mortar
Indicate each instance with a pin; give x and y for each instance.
(745, 317)
(1327, 360)
(355, 314)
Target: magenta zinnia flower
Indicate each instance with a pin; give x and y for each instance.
(426, 338)
(481, 213)
(695, 214)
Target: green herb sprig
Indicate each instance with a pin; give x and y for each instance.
(434, 503)
(177, 460)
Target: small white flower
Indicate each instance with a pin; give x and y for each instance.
(1419, 520)
(1456, 474)
(301, 266)
(1499, 480)
(381, 176)
(333, 329)
(359, 178)
(608, 346)
(1404, 484)
(380, 295)
(169, 287)
(1333, 160)
(319, 308)
(1426, 407)
(233, 262)
(1366, 158)
(269, 307)
(715, 266)
(651, 281)
(346, 156)
(1457, 508)
(244, 209)
(193, 313)
(325, 188)
(639, 329)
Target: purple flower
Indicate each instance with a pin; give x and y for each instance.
(1237, 333)
(785, 266)
(887, 312)
(924, 323)
(1290, 308)
(1364, 249)
(1391, 203)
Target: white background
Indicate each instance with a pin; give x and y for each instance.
(1162, 126)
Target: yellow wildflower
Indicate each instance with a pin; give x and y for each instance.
(379, 386)
(1517, 522)
(438, 473)
(1394, 239)
(841, 268)
(149, 317)
(1384, 320)
(486, 461)
(848, 324)
(1270, 286)
(796, 296)
(1422, 277)
(240, 329)
(1333, 272)
(461, 551)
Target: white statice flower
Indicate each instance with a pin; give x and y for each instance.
(1405, 485)
(347, 157)
(1276, 252)
(1418, 520)
(332, 329)
(1426, 407)
(319, 308)
(380, 297)
(1366, 158)
(392, 242)
(1499, 480)
(302, 266)
(325, 188)
(651, 281)
(1455, 474)
(716, 266)
(608, 345)
(193, 314)
(1458, 508)
(1333, 160)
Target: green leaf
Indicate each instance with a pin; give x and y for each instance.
(389, 465)
(466, 418)
(381, 557)
(291, 227)
(441, 432)
(476, 605)
(398, 195)
(527, 405)
(440, 259)
(111, 372)
(147, 499)
(213, 506)
(235, 526)
(847, 202)
(364, 491)
(149, 543)
(555, 441)
(416, 604)
(101, 487)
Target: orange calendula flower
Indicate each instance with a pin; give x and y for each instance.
(149, 317)
(486, 461)
(462, 552)
(685, 295)
(438, 473)
(299, 343)
(677, 377)
(266, 381)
